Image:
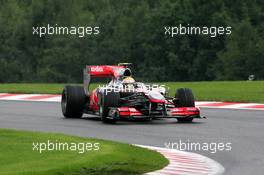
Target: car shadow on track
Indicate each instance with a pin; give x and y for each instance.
(156, 123)
(144, 122)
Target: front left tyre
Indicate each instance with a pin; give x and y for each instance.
(108, 99)
(73, 101)
(185, 98)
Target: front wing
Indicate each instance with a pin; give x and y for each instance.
(133, 113)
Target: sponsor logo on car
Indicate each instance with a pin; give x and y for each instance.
(97, 69)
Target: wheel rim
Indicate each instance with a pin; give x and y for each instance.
(63, 103)
(100, 109)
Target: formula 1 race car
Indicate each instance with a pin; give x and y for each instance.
(122, 98)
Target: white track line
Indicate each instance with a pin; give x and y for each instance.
(238, 106)
(17, 97)
(52, 99)
(186, 163)
(206, 102)
(25, 97)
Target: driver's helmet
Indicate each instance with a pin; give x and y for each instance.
(128, 84)
(128, 80)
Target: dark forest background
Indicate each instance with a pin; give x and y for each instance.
(131, 31)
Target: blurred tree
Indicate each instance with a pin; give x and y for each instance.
(131, 31)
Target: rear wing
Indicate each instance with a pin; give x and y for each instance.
(103, 71)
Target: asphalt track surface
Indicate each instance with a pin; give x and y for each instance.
(243, 128)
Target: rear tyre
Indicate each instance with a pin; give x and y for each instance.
(73, 101)
(107, 100)
(185, 98)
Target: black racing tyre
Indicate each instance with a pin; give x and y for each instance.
(184, 97)
(73, 101)
(108, 99)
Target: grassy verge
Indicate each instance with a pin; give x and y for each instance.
(31, 88)
(17, 156)
(238, 91)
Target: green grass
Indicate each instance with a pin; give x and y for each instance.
(31, 88)
(17, 156)
(238, 91)
(233, 91)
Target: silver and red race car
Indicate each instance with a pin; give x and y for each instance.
(122, 98)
